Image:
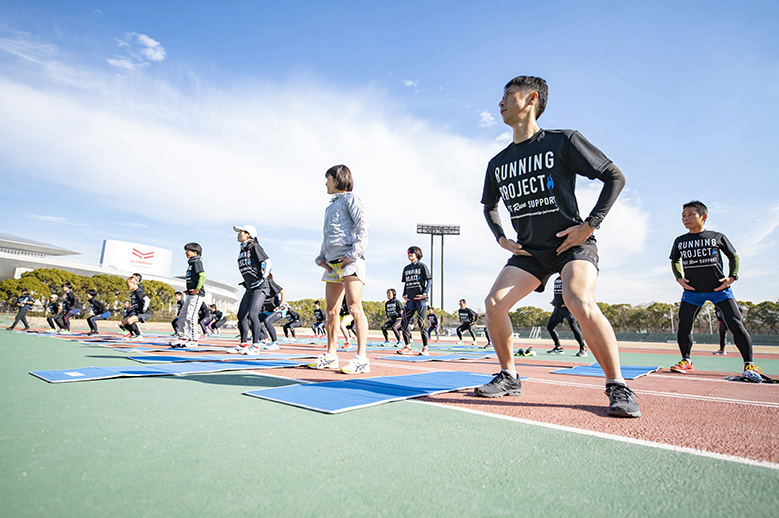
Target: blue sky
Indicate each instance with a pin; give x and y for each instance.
(169, 122)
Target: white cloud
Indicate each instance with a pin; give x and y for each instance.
(504, 138)
(411, 83)
(486, 119)
(140, 51)
(53, 219)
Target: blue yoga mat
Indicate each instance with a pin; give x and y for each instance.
(168, 349)
(436, 358)
(334, 397)
(629, 372)
(99, 373)
(216, 358)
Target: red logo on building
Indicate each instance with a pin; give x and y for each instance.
(145, 256)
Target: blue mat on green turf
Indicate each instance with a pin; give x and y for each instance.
(100, 373)
(334, 397)
(629, 372)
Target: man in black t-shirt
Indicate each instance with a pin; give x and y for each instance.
(393, 308)
(195, 279)
(24, 302)
(318, 327)
(559, 314)
(697, 266)
(416, 281)
(535, 176)
(467, 318)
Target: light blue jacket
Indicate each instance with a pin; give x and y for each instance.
(345, 229)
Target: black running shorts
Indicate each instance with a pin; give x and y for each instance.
(544, 265)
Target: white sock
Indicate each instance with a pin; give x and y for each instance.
(513, 374)
(616, 381)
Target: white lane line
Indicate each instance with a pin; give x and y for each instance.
(618, 438)
(766, 404)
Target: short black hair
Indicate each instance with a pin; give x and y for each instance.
(532, 84)
(91, 292)
(194, 247)
(702, 209)
(463, 301)
(394, 293)
(138, 276)
(179, 294)
(67, 285)
(25, 290)
(342, 176)
(417, 251)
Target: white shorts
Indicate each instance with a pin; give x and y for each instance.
(339, 271)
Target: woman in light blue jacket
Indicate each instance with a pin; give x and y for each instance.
(343, 257)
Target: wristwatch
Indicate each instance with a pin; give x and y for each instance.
(735, 277)
(594, 222)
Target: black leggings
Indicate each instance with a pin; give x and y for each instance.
(420, 310)
(289, 327)
(558, 315)
(249, 314)
(393, 324)
(268, 319)
(465, 327)
(732, 316)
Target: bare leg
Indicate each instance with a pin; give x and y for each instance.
(511, 286)
(579, 278)
(334, 294)
(353, 288)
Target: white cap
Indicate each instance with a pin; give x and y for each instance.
(249, 229)
(53, 296)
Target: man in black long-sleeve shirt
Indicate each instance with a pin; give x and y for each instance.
(535, 176)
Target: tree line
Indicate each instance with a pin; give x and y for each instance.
(654, 317)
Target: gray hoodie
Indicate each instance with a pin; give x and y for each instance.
(345, 229)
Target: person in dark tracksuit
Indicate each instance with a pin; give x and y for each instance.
(417, 281)
(24, 302)
(393, 308)
(99, 312)
(559, 314)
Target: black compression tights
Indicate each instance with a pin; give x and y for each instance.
(249, 314)
(687, 314)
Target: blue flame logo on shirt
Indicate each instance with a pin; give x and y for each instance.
(550, 183)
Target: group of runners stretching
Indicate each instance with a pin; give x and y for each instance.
(535, 178)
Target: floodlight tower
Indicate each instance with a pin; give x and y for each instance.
(438, 230)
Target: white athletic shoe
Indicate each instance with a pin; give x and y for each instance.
(238, 349)
(253, 350)
(137, 338)
(324, 361)
(273, 346)
(357, 365)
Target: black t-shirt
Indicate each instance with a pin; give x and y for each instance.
(69, 301)
(467, 315)
(250, 261)
(54, 307)
(432, 319)
(203, 312)
(393, 308)
(25, 300)
(98, 308)
(292, 316)
(416, 277)
(136, 299)
(273, 299)
(218, 314)
(194, 269)
(558, 302)
(701, 259)
(536, 180)
(319, 315)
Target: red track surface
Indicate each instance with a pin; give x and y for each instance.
(700, 411)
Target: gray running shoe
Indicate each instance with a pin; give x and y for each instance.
(556, 350)
(622, 402)
(501, 385)
(581, 353)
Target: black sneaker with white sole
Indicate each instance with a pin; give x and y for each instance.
(622, 401)
(501, 385)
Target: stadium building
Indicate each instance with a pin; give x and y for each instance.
(121, 258)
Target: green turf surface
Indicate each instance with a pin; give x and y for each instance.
(194, 446)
